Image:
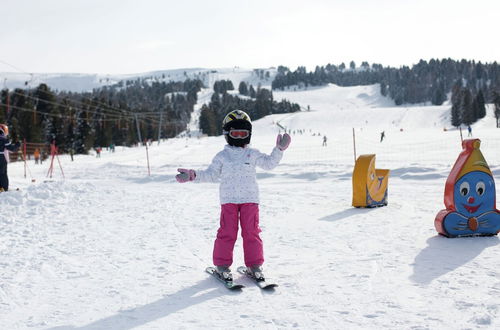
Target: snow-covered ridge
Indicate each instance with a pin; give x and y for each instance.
(80, 82)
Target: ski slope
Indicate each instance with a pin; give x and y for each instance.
(110, 247)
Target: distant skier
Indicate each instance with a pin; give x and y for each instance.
(382, 136)
(469, 129)
(36, 154)
(234, 167)
(4, 146)
(324, 141)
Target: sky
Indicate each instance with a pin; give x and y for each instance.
(126, 36)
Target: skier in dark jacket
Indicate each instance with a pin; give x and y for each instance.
(5, 144)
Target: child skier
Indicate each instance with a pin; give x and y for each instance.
(5, 144)
(234, 167)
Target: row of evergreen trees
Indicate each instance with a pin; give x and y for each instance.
(467, 105)
(423, 82)
(105, 116)
(257, 106)
(222, 86)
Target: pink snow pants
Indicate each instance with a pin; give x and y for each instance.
(248, 214)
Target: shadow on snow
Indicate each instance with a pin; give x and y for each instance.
(170, 304)
(346, 214)
(443, 255)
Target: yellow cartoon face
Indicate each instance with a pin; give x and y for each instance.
(371, 180)
(369, 183)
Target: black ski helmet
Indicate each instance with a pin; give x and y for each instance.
(237, 119)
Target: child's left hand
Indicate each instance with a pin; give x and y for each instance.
(283, 141)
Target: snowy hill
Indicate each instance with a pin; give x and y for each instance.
(79, 82)
(110, 247)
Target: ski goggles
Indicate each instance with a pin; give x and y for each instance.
(239, 133)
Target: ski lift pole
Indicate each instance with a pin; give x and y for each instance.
(24, 156)
(7, 110)
(354, 143)
(147, 157)
(138, 129)
(159, 126)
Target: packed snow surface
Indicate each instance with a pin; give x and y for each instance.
(109, 247)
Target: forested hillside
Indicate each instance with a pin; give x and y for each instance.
(105, 116)
(473, 83)
(257, 103)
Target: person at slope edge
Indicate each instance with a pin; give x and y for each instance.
(5, 144)
(234, 167)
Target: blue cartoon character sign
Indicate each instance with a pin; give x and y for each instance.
(469, 197)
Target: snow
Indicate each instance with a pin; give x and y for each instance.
(110, 247)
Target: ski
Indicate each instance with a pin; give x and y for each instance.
(2, 190)
(261, 283)
(228, 284)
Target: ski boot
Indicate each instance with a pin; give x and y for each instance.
(224, 273)
(256, 271)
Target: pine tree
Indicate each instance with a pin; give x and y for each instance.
(243, 89)
(4, 95)
(496, 102)
(456, 119)
(383, 88)
(438, 94)
(466, 107)
(17, 100)
(455, 116)
(252, 92)
(46, 106)
(55, 129)
(83, 133)
(208, 120)
(480, 109)
(264, 102)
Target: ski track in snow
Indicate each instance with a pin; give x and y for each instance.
(111, 248)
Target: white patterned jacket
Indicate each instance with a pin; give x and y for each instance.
(234, 168)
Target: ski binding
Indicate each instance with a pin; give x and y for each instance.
(261, 282)
(228, 284)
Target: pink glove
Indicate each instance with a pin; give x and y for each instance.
(185, 175)
(282, 142)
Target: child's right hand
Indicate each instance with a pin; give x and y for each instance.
(185, 175)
